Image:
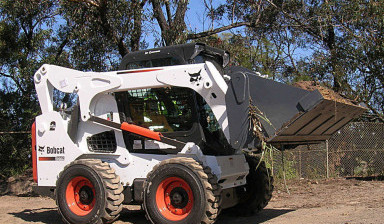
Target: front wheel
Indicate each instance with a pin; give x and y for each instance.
(256, 194)
(89, 191)
(181, 191)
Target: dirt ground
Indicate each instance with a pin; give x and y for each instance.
(323, 201)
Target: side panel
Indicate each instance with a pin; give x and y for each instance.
(231, 171)
(103, 106)
(54, 148)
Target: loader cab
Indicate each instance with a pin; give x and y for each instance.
(191, 53)
(176, 112)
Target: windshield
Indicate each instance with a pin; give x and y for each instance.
(157, 62)
(162, 109)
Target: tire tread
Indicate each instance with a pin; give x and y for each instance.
(111, 183)
(208, 180)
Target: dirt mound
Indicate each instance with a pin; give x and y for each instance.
(20, 185)
(327, 93)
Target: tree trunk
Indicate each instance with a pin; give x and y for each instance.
(137, 24)
(336, 70)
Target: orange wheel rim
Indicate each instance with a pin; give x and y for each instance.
(174, 198)
(80, 195)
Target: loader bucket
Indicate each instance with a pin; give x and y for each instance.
(287, 114)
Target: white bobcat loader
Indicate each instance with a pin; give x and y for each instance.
(170, 131)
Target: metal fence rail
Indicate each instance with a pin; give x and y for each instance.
(355, 150)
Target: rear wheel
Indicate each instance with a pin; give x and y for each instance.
(182, 191)
(89, 191)
(256, 194)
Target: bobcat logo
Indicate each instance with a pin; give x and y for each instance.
(41, 148)
(195, 77)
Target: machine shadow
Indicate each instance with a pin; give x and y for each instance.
(44, 215)
(138, 217)
(50, 215)
(133, 216)
(262, 216)
(368, 178)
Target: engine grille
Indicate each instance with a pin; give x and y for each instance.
(102, 142)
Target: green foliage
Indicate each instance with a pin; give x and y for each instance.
(98, 35)
(24, 35)
(338, 43)
(289, 170)
(258, 55)
(273, 161)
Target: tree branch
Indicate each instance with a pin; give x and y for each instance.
(93, 3)
(233, 11)
(106, 26)
(301, 24)
(137, 25)
(158, 14)
(61, 47)
(109, 31)
(14, 79)
(6, 75)
(193, 36)
(180, 12)
(378, 114)
(168, 9)
(172, 31)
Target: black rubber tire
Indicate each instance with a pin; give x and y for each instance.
(107, 186)
(203, 184)
(256, 194)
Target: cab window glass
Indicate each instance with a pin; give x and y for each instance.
(157, 62)
(162, 109)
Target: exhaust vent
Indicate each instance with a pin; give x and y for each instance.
(102, 142)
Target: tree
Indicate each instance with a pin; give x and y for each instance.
(349, 39)
(101, 31)
(172, 22)
(257, 55)
(342, 42)
(25, 43)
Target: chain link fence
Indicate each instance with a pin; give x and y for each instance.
(355, 150)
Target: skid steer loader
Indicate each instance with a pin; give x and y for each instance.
(171, 131)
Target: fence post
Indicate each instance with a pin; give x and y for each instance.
(300, 176)
(327, 149)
